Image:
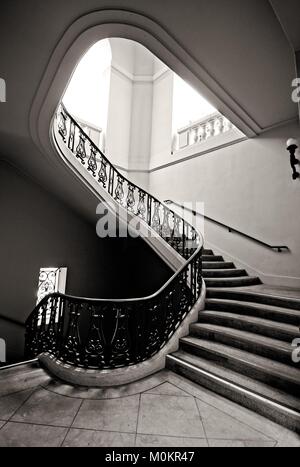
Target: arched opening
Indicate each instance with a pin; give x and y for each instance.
(136, 109)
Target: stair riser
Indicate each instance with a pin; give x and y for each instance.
(256, 312)
(264, 408)
(208, 252)
(262, 330)
(224, 273)
(235, 341)
(277, 381)
(261, 299)
(217, 265)
(243, 282)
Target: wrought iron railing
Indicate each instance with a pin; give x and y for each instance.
(162, 220)
(103, 334)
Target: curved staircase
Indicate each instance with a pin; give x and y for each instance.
(241, 346)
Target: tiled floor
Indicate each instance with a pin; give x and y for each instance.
(164, 410)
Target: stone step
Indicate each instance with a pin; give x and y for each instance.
(217, 265)
(255, 297)
(212, 258)
(232, 282)
(264, 327)
(259, 310)
(208, 273)
(271, 372)
(257, 344)
(257, 396)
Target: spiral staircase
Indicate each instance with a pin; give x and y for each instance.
(241, 345)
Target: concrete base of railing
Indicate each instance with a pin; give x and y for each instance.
(109, 378)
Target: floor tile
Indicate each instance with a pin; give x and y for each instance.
(260, 444)
(169, 415)
(1, 424)
(24, 435)
(288, 439)
(246, 416)
(47, 408)
(89, 438)
(9, 404)
(233, 443)
(110, 415)
(20, 381)
(152, 441)
(225, 443)
(168, 389)
(219, 425)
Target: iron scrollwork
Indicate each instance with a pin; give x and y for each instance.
(107, 334)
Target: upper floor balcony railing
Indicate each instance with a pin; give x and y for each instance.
(202, 130)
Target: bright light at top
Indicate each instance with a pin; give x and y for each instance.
(188, 105)
(87, 94)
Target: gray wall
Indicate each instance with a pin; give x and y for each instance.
(248, 186)
(37, 231)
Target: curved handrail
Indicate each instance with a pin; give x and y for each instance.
(137, 201)
(111, 333)
(278, 248)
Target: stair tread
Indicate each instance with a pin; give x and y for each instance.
(212, 258)
(223, 270)
(260, 306)
(217, 264)
(246, 382)
(251, 296)
(289, 328)
(234, 279)
(266, 364)
(246, 336)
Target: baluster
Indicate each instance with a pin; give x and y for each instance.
(130, 197)
(103, 173)
(156, 218)
(119, 193)
(92, 162)
(141, 209)
(111, 180)
(71, 140)
(149, 209)
(166, 229)
(94, 351)
(120, 344)
(62, 125)
(154, 337)
(209, 130)
(70, 351)
(80, 150)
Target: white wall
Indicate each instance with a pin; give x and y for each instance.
(248, 186)
(141, 125)
(119, 120)
(161, 141)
